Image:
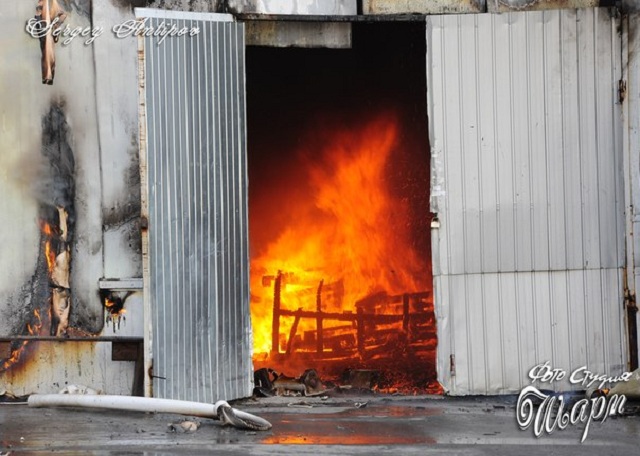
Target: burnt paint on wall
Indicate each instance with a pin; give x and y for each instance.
(34, 295)
(125, 214)
(53, 187)
(128, 208)
(57, 187)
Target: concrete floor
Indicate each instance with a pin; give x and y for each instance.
(387, 425)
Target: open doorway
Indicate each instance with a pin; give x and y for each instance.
(338, 159)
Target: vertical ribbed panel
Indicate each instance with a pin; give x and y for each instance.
(527, 181)
(197, 206)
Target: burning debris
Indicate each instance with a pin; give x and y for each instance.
(381, 324)
(269, 383)
(352, 381)
(361, 378)
(343, 284)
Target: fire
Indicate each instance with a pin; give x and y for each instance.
(33, 328)
(36, 325)
(50, 256)
(15, 356)
(49, 252)
(46, 229)
(352, 234)
(113, 308)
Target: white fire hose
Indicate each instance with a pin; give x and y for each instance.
(221, 410)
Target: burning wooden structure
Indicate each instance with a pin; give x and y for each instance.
(364, 333)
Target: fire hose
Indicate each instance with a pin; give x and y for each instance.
(221, 410)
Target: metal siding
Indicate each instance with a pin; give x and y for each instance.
(505, 176)
(527, 184)
(632, 162)
(197, 210)
(502, 6)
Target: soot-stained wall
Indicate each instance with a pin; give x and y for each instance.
(72, 144)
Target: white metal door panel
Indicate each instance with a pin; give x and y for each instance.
(195, 198)
(527, 183)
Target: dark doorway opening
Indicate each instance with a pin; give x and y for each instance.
(338, 159)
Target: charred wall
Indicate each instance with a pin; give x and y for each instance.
(69, 176)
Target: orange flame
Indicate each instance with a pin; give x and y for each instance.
(50, 256)
(113, 309)
(49, 252)
(354, 232)
(46, 229)
(15, 356)
(16, 353)
(36, 326)
(35, 329)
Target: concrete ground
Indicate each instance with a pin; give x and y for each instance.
(386, 425)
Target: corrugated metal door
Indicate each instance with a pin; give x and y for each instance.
(527, 183)
(196, 196)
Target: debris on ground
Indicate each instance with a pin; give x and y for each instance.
(269, 383)
(184, 426)
(354, 381)
(79, 389)
(312, 384)
(263, 379)
(361, 378)
(9, 398)
(288, 386)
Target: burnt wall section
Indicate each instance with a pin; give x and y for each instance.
(70, 184)
(57, 216)
(51, 161)
(57, 185)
